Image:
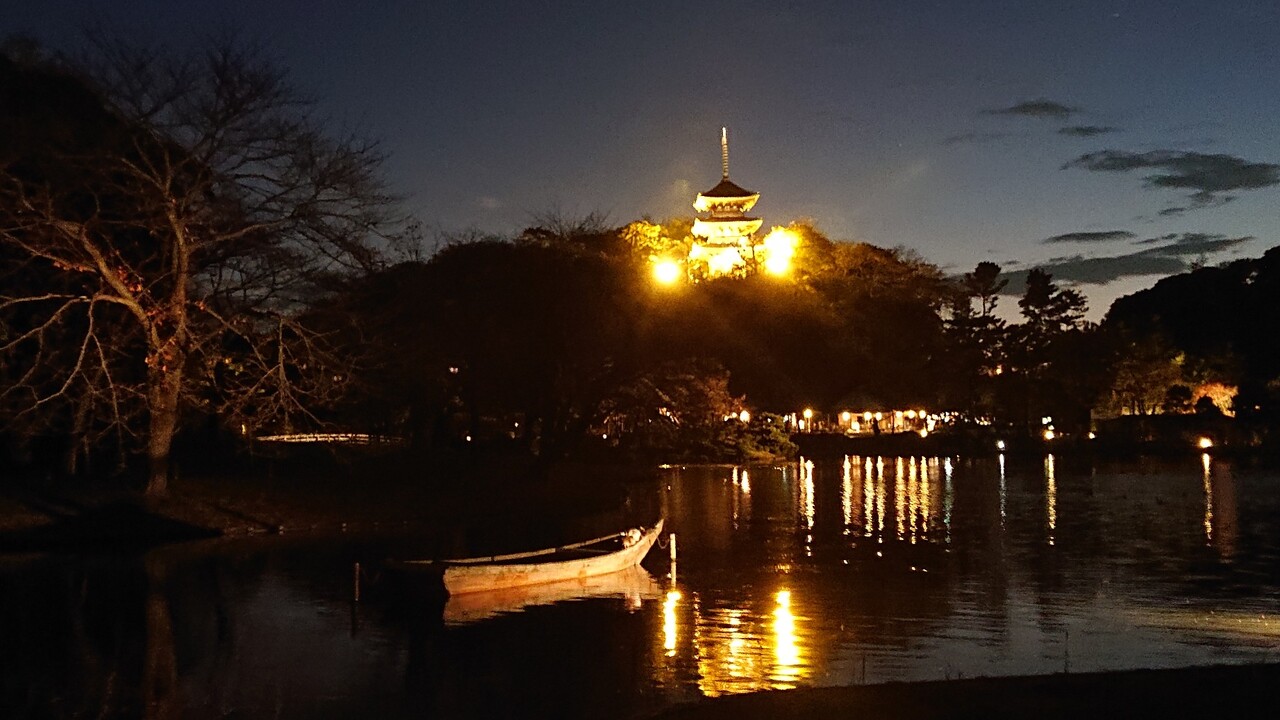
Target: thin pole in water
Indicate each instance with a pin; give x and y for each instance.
(355, 583)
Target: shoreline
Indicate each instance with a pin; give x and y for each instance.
(331, 501)
(910, 444)
(1201, 691)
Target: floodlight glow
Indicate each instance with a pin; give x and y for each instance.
(666, 272)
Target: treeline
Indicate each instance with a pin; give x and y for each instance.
(187, 253)
(560, 341)
(1203, 341)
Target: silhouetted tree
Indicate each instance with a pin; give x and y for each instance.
(974, 340)
(1052, 356)
(170, 232)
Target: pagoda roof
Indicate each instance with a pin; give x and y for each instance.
(728, 189)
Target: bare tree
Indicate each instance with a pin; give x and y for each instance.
(168, 242)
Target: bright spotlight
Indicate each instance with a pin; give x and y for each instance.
(666, 272)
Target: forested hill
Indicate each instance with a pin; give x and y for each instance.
(1226, 316)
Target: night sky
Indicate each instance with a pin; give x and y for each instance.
(1111, 142)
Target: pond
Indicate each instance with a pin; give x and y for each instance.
(826, 572)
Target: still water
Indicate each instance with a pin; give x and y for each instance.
(828, 572)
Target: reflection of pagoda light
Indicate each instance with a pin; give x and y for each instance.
(669, 622)
(785, 650)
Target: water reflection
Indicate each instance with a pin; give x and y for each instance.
(1051, 495)
(737, 649)
(1220, 512)
(669, 627)
(874, 533)
(1208, 497)
(821, 573)
(787, 669)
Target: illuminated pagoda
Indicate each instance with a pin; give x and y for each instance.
(725, 234)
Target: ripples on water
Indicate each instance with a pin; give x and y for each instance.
(860, 569)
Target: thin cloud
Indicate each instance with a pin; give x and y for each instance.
(1091, 237)
(1194, 244)
(1171, 254)
(1209, 176)
(1087, 130)
(1040, 108)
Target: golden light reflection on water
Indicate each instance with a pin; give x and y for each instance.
(741, 503)
(1208, 497)
(669, 631)
(1051, 495)
(806, 491)
(913, 500)
(869, 499)
(846, 493)
(948, 498)
(1003, 492)
(786, 651)
(736, 649)
(778, 627)
(900, 498)
(1221, 511)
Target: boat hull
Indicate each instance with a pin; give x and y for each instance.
(461, 579)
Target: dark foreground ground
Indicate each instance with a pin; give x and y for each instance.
(1207, 692)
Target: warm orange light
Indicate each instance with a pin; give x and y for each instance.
(666, 272)
(744, 416)
(1205, 443)
(808, 413)
(669, 622)
(1049, 434)
(778, 248)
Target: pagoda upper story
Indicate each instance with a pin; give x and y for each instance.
(724, 207)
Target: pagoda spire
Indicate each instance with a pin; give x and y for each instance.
(724, 153)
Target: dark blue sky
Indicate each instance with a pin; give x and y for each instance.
(1112, 141)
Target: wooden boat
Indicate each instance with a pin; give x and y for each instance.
(598, 556)
(634, 585)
